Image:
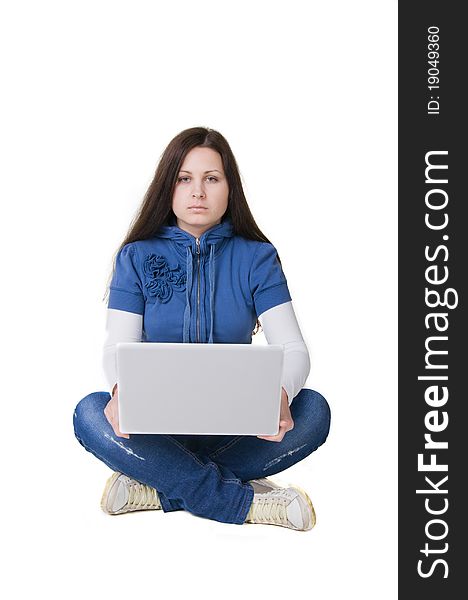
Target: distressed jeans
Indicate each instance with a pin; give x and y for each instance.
(206, 475)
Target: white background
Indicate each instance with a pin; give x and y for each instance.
(305, 93)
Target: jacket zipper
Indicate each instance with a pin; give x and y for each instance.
(198, 291)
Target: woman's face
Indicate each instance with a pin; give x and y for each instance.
(201, 194)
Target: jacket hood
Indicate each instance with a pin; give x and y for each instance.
(209, 243)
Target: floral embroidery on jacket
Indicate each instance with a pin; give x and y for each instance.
(163, 279)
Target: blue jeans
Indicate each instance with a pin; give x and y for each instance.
(206, 475)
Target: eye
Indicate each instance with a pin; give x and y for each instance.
(185, 178)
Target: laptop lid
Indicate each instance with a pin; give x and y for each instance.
(200, 389)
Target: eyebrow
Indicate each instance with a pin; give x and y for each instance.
(212, 171)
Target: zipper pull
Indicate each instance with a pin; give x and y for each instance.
(198, 245)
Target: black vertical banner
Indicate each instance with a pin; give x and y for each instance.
(433, 332)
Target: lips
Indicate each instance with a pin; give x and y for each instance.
(203, 207)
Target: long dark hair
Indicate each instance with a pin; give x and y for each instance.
(156, 208)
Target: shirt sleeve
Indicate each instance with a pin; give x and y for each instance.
(121, 326)
(280, 326)
(268, 283)
(126, 288)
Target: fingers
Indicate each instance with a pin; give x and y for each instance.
(112, 415)
(118, 433)
(285, 426)
(270, 438)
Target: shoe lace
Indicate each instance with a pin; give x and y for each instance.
(269, 508)
(142, 496)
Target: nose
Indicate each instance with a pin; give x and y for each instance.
(197, 191)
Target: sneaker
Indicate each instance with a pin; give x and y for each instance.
(285, 506)
(123, 494)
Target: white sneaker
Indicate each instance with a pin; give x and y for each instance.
(123, 494)
(275, 505)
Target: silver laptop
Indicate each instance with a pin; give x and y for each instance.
(200, 389)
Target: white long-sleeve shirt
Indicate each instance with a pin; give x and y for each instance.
(279, 325)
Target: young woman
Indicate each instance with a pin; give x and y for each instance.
(195, 268)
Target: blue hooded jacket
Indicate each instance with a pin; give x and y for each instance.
(198, 290)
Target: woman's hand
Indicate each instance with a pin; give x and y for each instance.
(112, 413)
(286, 421)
